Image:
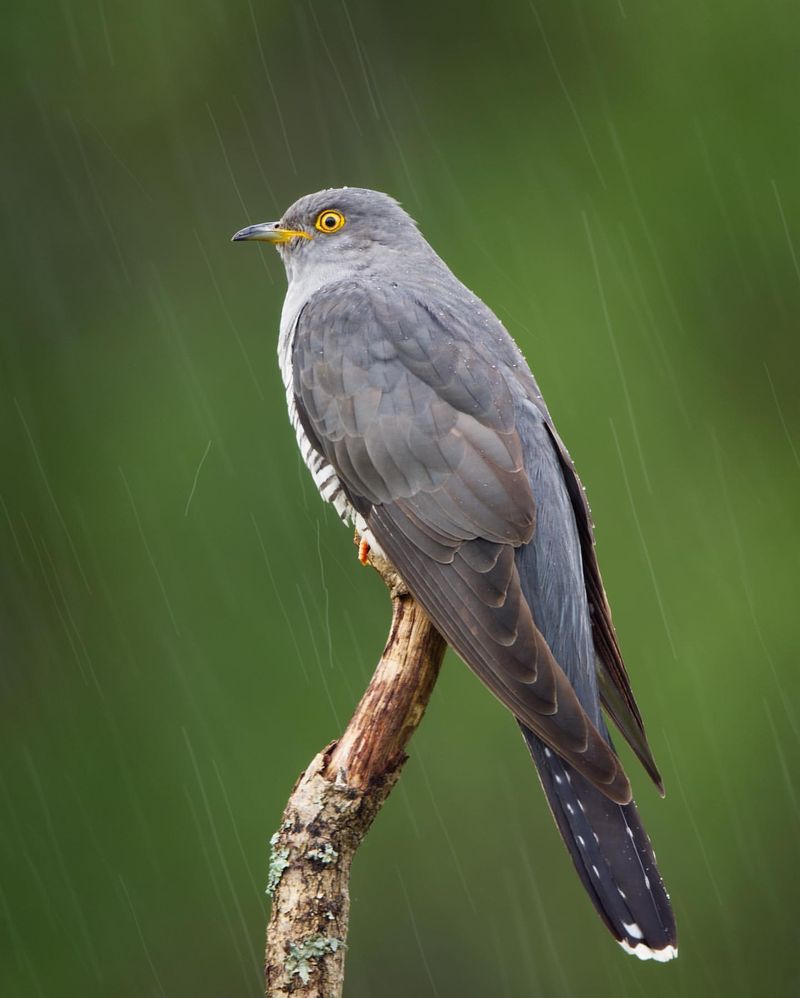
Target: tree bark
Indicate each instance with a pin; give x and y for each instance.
(334, 803)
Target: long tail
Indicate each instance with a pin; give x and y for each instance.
(613, 857)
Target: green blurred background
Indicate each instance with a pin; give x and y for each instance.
(184, 625)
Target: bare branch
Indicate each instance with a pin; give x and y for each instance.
(334, 803)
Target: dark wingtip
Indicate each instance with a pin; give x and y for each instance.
(654, 775)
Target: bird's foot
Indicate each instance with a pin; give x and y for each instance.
(363, 551)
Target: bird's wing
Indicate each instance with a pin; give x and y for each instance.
(615, 687)
(418, 422)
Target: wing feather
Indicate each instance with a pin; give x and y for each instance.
(418, 421)
(615, 686)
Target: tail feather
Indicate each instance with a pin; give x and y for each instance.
(612, 855)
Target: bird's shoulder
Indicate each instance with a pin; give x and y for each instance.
(428, 326)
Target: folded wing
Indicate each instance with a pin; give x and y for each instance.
(418, 421)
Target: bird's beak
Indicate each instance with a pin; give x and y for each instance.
(270, 232)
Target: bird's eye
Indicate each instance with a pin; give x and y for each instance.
(329, 221)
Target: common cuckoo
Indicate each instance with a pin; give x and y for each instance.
(420, 421)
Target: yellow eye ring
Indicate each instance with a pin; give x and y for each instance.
(329, 221)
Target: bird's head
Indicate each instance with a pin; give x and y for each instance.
(346, 229)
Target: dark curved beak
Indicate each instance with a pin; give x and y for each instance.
(269, 232)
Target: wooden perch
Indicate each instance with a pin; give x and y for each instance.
(334, 803)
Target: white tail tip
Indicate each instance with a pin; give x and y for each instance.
(645, 953)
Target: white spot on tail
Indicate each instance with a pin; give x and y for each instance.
(645, 953)
(633, 930)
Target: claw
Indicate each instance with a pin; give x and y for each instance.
(363, 551)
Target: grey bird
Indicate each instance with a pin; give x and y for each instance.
(420, 421)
